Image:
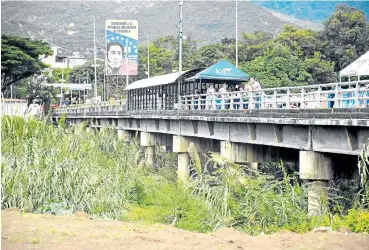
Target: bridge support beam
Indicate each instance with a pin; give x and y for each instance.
(242, 153)
(125, 135)
(180, 146)
(317, 169)
(147, 140)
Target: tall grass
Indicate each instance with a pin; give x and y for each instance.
(93, 172)
(101, 175)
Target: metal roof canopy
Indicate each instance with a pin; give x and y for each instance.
(160, 80)
(223, 71)
(360, 67)
(70, 86)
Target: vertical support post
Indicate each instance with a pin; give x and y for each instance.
(125, 135)
(357, 93)
(317, 169)
(288, 104)
(183, 167)
(336, 97)
(180, 146)
(147, 140)
(302, 104)
(275, 99)
(319, 103)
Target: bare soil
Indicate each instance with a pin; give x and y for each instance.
(34, 231)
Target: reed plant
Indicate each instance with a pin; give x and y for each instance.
(47, 168)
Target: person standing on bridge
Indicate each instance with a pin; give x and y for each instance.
(210, 96)
(256, 88)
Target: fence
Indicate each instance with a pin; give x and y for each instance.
(331, 95)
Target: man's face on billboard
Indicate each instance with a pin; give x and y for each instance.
(115, 55)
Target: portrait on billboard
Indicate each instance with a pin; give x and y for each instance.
(114, 58)
(122, 47)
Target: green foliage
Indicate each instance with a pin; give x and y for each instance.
(363, 166)
(55, 208)
(59, 75)
(59, 170)
(42, 163)
(20, 58)
(345, 36)
(84, 73)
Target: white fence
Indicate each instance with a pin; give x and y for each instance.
(331, 95)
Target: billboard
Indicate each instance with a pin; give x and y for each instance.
(121, 47)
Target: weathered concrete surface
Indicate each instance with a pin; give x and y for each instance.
(317, 197)
(315, 166)
(125, 135)
(342, 131)
(183, 167)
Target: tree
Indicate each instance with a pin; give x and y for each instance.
(85, 72)
(278, 67)
(209, 55)
(164, 56)
(345, 36)
(20, 58)
(59, 75)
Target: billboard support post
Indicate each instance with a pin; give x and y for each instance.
(95, 86)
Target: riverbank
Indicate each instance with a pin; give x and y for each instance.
(39, 231)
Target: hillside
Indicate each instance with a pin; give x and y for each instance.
(317, 11)
(69, 24)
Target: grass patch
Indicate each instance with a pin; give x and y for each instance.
(60, 170)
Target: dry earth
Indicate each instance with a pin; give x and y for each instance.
(31, 231)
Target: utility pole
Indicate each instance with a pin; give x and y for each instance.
(95, 87)
(236, 33)
(127, 63)
(148, 56)
(180, 52)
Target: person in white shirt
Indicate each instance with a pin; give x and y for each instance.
(210, 96)
(255, 85)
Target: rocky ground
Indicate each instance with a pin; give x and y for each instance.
(34, 231)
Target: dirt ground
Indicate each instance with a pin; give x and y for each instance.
(32, 231)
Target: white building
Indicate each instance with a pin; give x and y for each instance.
(59, 60)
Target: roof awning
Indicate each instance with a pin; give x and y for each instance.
(360, 67)
(222, 70)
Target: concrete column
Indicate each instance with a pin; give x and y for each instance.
(147, 140)
(180, 146)
(317, 197)
(150, 156)
(125, 135)
(183, 167)
(317, 169)
(234, 152)
(242, 153)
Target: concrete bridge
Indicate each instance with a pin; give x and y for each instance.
(323, 141)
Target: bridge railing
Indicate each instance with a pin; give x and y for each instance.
(331, 95)
(111, 104)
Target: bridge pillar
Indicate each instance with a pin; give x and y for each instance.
(125, 135)
(317, 169)
(242, 153)
(147, 140)
(180, 146)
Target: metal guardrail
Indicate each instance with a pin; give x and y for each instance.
(120, 102)
(331, 95)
